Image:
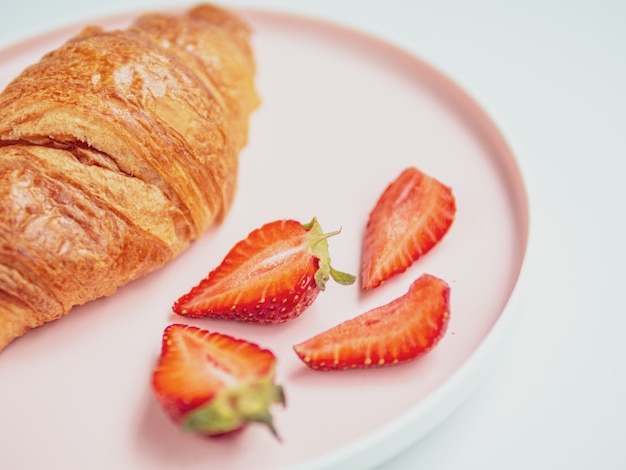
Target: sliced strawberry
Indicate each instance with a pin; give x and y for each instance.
(411, 216)
(397, 332)
(271, 276)
(214, 384)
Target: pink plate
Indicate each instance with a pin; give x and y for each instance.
(343, 113)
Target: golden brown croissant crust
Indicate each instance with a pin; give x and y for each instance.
(116, 151)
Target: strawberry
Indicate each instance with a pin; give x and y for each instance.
(411, 216)
(214, 384)
(271, 276)
(399, 331)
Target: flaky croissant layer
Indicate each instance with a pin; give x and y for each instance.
(116, 151)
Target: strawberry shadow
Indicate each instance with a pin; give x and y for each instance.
(164, 445)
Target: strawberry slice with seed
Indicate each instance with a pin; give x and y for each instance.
(214, 384)
(411, 216)
(397, 332)
(271, 276)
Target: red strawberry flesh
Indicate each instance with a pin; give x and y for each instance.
(271, 276)
(400, 331)
(212, 383)
(411, 216)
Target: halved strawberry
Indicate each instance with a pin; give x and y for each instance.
(214, 384)
(271, 276)
(411, 216)
(397, 332)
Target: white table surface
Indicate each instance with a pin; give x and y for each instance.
(552, 74)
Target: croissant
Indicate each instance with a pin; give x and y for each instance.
(117, 150)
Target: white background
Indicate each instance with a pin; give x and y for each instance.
(551, 74)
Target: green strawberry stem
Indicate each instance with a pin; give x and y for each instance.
(342, 278)
(318, 247)
(232, 407)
